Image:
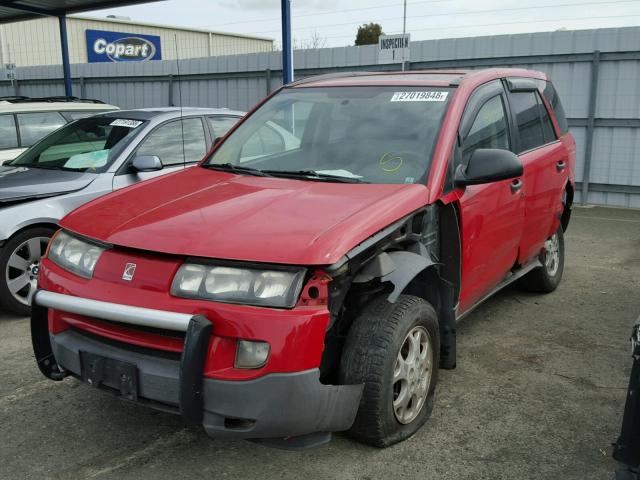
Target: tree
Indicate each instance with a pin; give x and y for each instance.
(314, 41)
(368, 34)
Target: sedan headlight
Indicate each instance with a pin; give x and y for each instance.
(73, 254)
(271, 288)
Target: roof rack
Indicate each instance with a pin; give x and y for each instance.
(61, 98)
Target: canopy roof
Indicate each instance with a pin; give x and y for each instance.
(16, 10)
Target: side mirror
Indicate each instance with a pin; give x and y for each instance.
(488, 165)
(146, 163)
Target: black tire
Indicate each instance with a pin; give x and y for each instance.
(7, 299)
(543, 279)
(369, 357)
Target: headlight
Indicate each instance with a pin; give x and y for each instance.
(73, 254)
(271, 288)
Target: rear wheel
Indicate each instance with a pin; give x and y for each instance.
(546, 279)
(19, 267)
(394, 349)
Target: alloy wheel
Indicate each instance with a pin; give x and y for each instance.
(412, 375)
(552, 255)
(21, 274)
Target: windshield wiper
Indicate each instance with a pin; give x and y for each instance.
(313, 175)
(229, 167)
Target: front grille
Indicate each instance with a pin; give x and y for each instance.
(141, 328)
(128, 346)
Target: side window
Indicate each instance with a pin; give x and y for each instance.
(166, 142)
(554, 100)
(221, 124)
(34, 126)
(527, 112)
(547, 127)
(8, 134)
(489, 129)
(268, 140)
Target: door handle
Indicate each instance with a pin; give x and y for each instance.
(516, 185)
(561, 165)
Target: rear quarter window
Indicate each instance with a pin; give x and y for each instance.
(552, 97)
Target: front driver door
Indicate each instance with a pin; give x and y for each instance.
(166, 142)
(492, 214)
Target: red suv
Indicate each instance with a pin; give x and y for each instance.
(307, 277)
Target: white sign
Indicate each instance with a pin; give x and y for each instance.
(393, 48)
(419, 96)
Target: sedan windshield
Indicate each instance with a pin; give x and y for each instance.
(340, 134)
(89, 144)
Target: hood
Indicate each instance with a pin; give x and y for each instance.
(207, 213)
(23, 183)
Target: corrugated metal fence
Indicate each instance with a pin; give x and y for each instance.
(597, 73)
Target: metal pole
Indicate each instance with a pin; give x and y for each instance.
(287, 45)
(588, 151)
(404, 30)
(64, 47)
(267, 76)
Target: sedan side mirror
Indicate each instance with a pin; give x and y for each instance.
(488, 165)
(146, 163)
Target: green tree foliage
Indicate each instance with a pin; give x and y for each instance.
(368, 34)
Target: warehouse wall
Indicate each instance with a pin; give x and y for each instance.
(595, 71)
(37, 42)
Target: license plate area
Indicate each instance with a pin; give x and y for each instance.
(100, 371)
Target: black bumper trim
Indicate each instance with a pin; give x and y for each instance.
(42, 344)
(194, 354)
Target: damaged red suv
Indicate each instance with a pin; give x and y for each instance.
(307, 277)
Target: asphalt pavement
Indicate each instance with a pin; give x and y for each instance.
(538, 394)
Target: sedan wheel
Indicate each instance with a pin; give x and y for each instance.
(20, 264)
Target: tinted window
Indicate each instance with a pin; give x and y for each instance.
(554, 100)
(526, 109)
(8, 135)
(547, 126)
(489, 129)
(34, 126)
(221, 125)
(166, 142)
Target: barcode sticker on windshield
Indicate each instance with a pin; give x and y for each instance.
(419, 96)
(122, 122)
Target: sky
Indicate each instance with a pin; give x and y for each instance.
(335, 22)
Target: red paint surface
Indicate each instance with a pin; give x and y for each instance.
(212, 214)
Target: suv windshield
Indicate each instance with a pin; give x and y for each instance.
(89, 144)
(360, 134)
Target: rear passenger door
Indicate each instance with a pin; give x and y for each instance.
(545, 165)
(492, 214)
(167, 143)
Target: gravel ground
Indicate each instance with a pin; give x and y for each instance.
(538, 393)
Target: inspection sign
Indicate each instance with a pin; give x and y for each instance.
(393, 48)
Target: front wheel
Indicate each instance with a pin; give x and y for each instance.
(394, 349)
(545, 279)
(19, 266)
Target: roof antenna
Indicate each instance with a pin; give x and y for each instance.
(184, 155)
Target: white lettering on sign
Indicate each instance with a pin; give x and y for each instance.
(419, 96)
(123, 122)
(135, 48)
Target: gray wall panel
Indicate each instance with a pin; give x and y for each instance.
(239, 82)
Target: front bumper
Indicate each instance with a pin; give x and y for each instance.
(274, 405)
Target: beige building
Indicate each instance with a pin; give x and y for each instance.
(37, 42)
